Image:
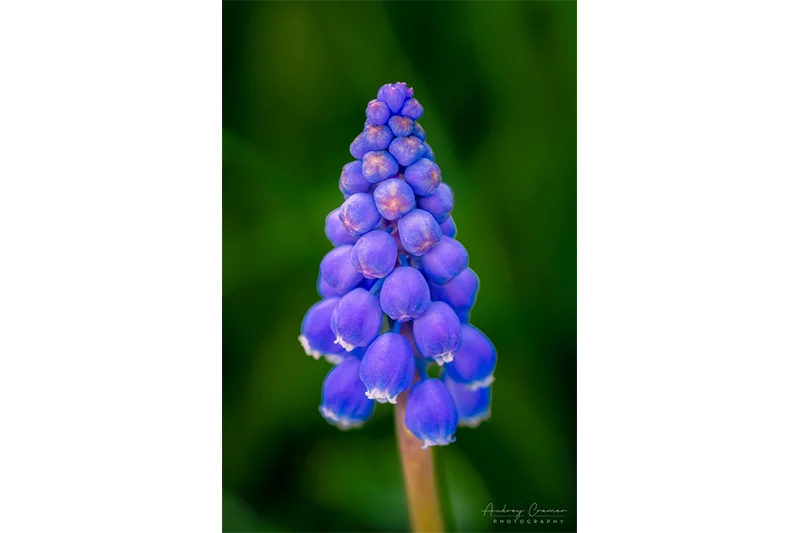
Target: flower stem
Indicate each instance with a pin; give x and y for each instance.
(377, 287)
(421, 495)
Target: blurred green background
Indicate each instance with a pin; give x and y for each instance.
(498, 84)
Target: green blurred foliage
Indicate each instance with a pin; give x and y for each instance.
(498, 83)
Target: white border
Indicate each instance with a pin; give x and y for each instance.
(110, 278)
(689, 278)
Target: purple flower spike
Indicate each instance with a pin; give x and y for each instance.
(437, 333)
(431, 413)
(395, 260)
(406, 150)
(374, 255)
(394, 198)
(424, 176)
(378, 166)
(387, 368)
(405, 294)
(445, 261)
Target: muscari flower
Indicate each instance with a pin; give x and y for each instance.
(344, 403)
(431, 413)
(460, 292)
(449, 227)
(419, 232)
(473, 405)
(394, 198)
(395, 263)
(387, 368)
(474, 361)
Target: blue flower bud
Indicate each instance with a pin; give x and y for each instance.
(423, 176)
(377, 112)
(373, 138)
(343, 401)
(356, 319)
(445, 261)
(429, 152)
(351, 180)
(431, 413)
(394, 198)
(338, 271)
(378, 166)
(418, 132)
(412, 108)
(334, 230)
(474, 363)
(325, 290)
(464, 315)
(406, 150)
(437, 333)
(359, 214)
(419, 231)
(316, 335)
(405, 294)
(449, 227)
(473, 405)
(401, 126)
(439, 204)
(375, 254)
(459, 293)
(387, 368)
(394, 94)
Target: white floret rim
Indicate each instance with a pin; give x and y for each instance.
(481, 383)
(442, 358)
(474, 421)
(344, 344)
(381, 396)
(316, 354)
(342, 422)
(441, 441)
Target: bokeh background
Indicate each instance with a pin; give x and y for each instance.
(498, 84)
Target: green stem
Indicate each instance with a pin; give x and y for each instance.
(422, 497)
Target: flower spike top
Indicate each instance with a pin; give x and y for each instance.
(396, 290)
